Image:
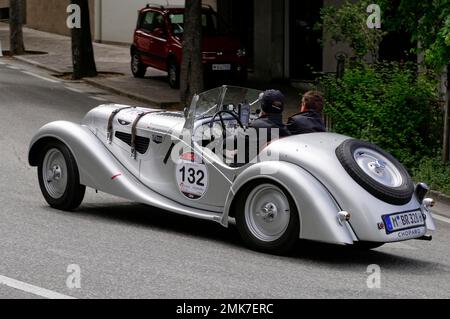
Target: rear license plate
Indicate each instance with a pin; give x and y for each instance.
(401, 221)
(221, 67)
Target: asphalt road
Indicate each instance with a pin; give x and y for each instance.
(126, 250)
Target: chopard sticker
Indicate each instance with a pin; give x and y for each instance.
(192, 177)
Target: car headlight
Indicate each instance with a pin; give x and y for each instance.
(241, 53)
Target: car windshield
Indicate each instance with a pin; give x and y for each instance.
(210, 23)
(207, 104)
(226, 98)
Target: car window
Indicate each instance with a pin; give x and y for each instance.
(209, 23)
(152, 20)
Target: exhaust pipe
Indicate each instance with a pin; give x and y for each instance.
(425, 238)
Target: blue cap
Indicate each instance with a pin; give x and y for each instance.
(272, 101)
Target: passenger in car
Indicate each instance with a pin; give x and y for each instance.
(309, 120)
(272, 105)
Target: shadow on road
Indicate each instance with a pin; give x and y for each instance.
(340, 257)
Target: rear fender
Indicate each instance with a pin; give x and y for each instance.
(317, 209)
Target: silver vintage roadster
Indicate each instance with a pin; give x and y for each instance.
(207, 162)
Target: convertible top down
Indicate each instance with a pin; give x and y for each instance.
(207, 162)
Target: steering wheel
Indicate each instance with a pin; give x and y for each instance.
(219, 114)
(224, 129)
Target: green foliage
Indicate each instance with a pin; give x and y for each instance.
(429, 23)
(348, 24)
(434, 173)
(389, 105)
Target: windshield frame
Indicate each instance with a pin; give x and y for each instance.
(193, 114)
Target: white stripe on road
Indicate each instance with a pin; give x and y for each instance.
(40, 77)
(98, 98)
(441, 218)
(73, 90)
(13, 67)
(38, 291)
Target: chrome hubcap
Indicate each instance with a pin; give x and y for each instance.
(378, 167)
(267, 212)
(54, 170)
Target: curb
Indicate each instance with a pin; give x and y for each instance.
(440, 197)
(133, 96)
(39, 65)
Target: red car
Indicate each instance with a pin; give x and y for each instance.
(158, 43)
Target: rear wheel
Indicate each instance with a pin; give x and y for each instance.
(173, 74)
(267, 218)
(137, 67)
(59, 178)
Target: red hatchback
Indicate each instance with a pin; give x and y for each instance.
(158, 43)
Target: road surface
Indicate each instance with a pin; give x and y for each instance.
(127, 250)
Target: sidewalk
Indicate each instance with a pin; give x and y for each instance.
(109, 59)
(154, 90)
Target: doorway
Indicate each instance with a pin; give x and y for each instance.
(305, 50)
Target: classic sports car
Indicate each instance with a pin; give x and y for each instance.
(207, 162)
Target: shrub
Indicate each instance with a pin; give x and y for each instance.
(387, 104)
(434, 173)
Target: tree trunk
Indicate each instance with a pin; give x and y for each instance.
(445, 148)
(16, 20)
(82, 49)
(191, 77)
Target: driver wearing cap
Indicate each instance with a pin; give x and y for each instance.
(272, 105)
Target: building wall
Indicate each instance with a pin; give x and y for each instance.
(51, 15)
(4, 3)
(4, 9)
(116, 19)
(330, 49)
(269, 40)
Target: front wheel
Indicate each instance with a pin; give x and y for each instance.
(267, 218)
(59, 178)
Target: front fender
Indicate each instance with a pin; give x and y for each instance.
(316, 207)
(82, 143)
(99, 169)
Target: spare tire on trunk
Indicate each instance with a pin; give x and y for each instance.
(376, 171)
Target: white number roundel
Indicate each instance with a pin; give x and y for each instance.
(192, 179)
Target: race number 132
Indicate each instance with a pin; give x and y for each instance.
(192, 175)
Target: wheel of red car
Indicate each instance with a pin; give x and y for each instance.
(378, 172)
(137, 67)
(59, 177)
(267, 218)
(173, 74)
